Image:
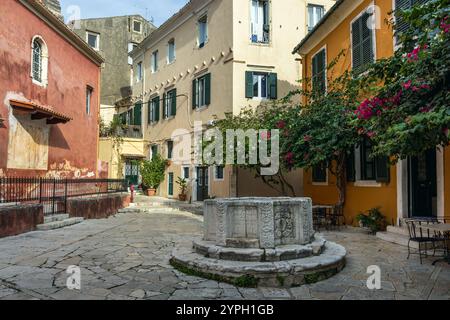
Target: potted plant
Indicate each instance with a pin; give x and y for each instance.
(153, 174)
(183, 186)
(373, 220)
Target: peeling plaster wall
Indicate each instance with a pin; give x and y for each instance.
(72, 147)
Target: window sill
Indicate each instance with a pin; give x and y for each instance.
(202, 108)
(260, 44)
(320, 184)
(40, 84)
(367, 184)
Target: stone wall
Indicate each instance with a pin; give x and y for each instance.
(97, 207)
(18, 219)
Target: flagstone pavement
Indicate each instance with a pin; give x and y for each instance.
(126, 257)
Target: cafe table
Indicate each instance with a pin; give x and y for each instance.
(444, 229)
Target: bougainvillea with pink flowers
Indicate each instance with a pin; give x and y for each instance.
(410, 112)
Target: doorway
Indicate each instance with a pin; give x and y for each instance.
(202, 183)
(423, 185)
(132, 172)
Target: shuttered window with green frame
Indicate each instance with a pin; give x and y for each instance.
(153, 110)
(319, 72)
(270, 78)
(201, 91)
(137, 114)
(400, 24)
(170, 104)
(362, 43)
(170, 184)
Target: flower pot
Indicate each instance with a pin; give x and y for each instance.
(182, 197)
(151, 192)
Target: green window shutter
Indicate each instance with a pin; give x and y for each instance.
(362, 43)
(137, 119)
(382, 169)
(208, 89)
(174, 103)
(194, 93)
(164, 115)
(273, 86)
(319, 71)
(350, 167)
(157, 107)
(249, 84)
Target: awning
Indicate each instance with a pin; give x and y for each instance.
(38, 112)
(133, 156)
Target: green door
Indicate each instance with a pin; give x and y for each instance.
(170, 182)
(132, 172)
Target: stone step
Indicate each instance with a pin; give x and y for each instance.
(396, 238)
(398, 230)
(56, 217)
(59, 224)
(130, 210)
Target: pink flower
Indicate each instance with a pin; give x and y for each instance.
(281, 124)
(266, 135)
(446, 132)
(371, 134)
(307, 138)
(407, 85)
(444, 25)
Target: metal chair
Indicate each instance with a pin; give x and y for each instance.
(423, 238)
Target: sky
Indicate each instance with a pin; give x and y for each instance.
(158, 10)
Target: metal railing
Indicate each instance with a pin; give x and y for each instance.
(53, 193)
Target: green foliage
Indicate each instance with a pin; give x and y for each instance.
(412, 112)
(153, 172)
(183, 184)
(373, 219)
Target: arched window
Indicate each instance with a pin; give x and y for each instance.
(39, 61)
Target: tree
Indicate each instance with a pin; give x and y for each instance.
(410, 112)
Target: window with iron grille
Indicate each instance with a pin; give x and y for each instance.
(37, 61)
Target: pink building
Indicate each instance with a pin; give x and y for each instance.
(49, 95)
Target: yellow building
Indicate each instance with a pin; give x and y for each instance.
(211, 58)
(418, 186)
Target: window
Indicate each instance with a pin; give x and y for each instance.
(169, 149)
(219, 172)
(154, 151)
(367, 163)
(315, 13)
(153, 112)
(37, 61)
(170, 104)
(170, 184)
(202, 31)
(137, 26)
(186, 173)
(319, 173)
(171, 51)
(201, 90)
(260, 21)
(131, 47)
(319, 72)
(362, 43)
(155, 61)
(361, 166)
(139, 72)
(400, 5)
(89, 91)
(93, 39)
(261, 85)
(136, 116)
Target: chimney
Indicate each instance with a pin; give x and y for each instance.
(54, 6)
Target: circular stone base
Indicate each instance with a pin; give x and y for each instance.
(209, 249)
(288, 273)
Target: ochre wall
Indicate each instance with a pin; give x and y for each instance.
(72, 147)
(359, 198)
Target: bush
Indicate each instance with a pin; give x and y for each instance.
(153, 172)
(373, 219)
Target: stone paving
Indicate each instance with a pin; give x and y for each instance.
(126, 257)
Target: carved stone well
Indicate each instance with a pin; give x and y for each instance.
(260, 241)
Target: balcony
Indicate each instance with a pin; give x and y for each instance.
(131, 131)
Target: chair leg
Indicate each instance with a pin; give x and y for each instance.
(409, 249)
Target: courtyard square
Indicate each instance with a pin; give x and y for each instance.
(127, 257)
